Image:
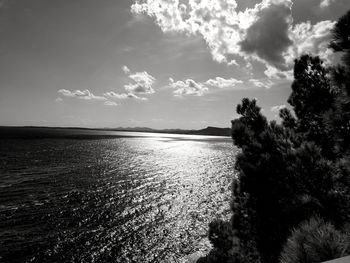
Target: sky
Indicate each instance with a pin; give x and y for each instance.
(154, 63)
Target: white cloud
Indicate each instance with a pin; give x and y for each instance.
(274, 73)
(110, 103)
(232, 62)
(223, 83)
(66, 93)
(58, 99)
(80, 94)
(221, 26)
(265, 32)
(143, 83)
(326, 3)
(313, 39)
(125, 69)
(216, 21)
(191, 87)
(112, 94)
(187, 87)
(133, 96)
(261, 83)
(277, 108)
(168, 14)
(115, 95)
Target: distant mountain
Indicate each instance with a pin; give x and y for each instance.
(215, 131)
(138, 129)
(77, 132)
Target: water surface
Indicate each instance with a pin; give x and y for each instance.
(133, 198)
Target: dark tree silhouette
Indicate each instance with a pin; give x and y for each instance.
(293, 171)
(341, 78)
(311, 97)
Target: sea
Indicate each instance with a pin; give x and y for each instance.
(73, 195)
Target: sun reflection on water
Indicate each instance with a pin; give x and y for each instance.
(146, 199)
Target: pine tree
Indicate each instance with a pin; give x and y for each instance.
(293, 171)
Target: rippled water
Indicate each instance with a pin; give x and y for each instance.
(141, 199)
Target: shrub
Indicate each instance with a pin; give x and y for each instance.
(315, 241)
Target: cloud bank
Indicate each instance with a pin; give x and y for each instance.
(264, 33)
(80, 94)
(191, 87)
(142, 84)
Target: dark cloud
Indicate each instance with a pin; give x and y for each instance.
(268, 37)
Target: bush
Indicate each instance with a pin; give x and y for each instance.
(315, 241)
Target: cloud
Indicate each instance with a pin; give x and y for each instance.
(112, 94)
(261, 83)
(216, 21)
(274, 73)
(125, 69)
(115, 95)
(232, 62)
(143, 83)
(268, 37)
(58, 99)
(168, 14)
(262, 33)
(223, 83)
(326, 3)
(80, 94)
(191, 87)
(187, 87)
(139, 88)
(313, 39)
(110, 103)
(226, 31)
(277, 108)
(133, 96)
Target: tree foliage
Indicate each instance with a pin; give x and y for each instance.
(316, 241)
(293, 171)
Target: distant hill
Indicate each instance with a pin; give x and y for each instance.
(77, 132)
(215, 131)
